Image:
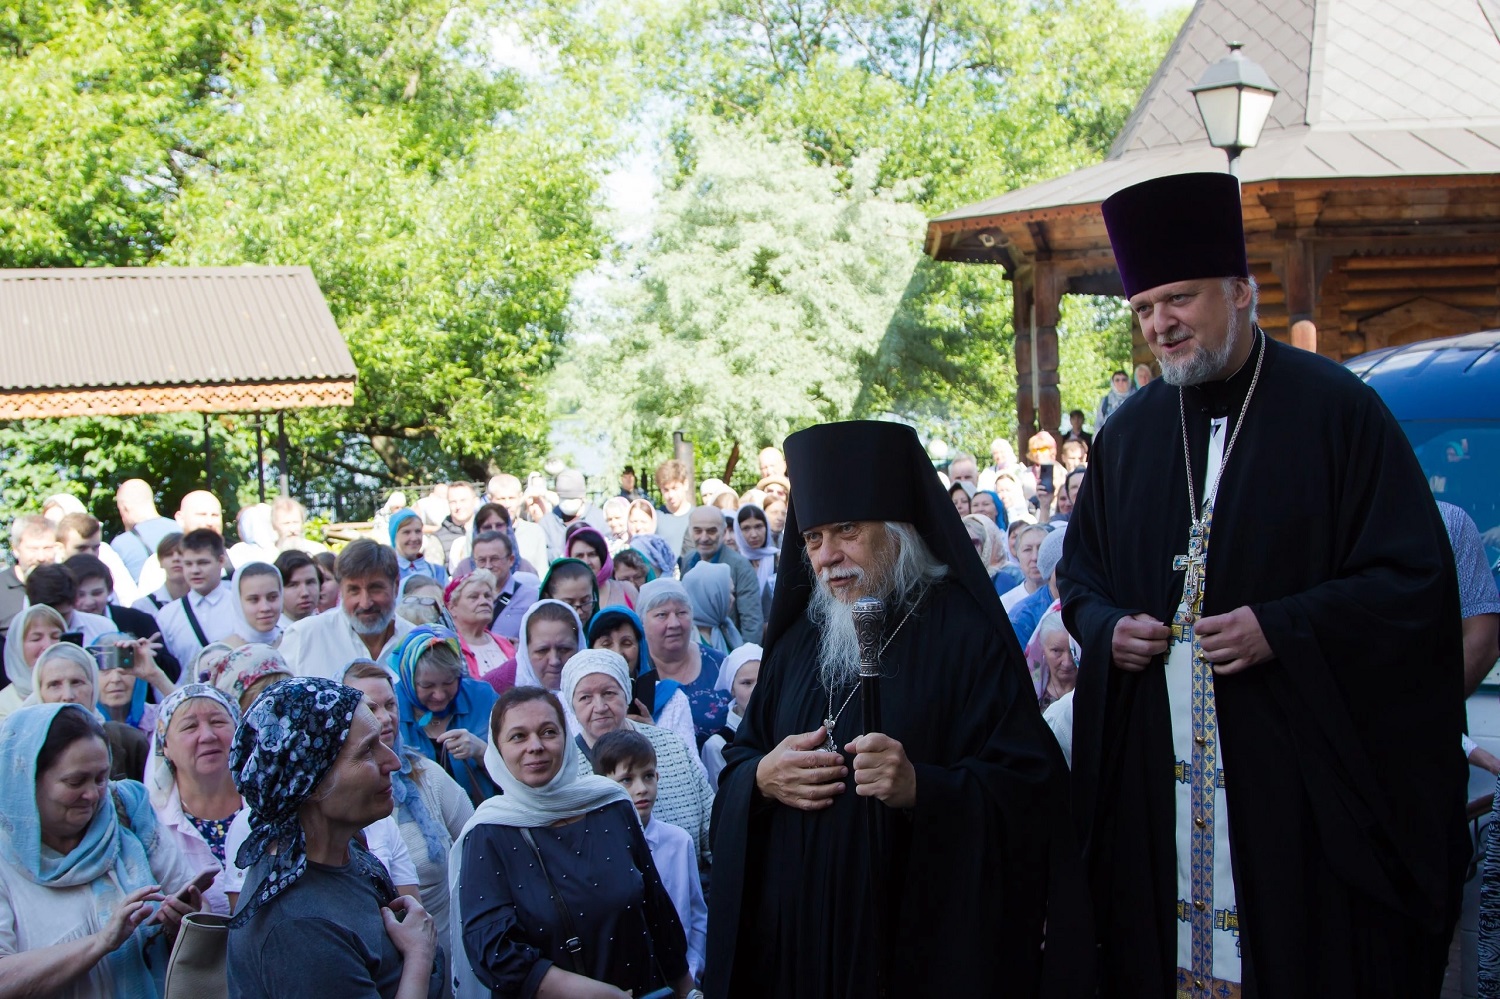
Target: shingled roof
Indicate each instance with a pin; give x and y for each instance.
(124, 340)
(1369, 89)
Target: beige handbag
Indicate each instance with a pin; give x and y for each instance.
(198, 966)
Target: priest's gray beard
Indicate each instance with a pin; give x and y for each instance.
(904, 569)
(1208, 363)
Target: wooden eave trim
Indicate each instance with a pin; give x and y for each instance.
(136, 400)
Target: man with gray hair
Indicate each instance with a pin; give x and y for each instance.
(918, 853)
(33, 542)
(364, 625)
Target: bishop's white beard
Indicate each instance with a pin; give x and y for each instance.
(906, 567)
(838, 641)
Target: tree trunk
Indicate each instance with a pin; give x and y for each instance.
(729, 466)
(389, 450)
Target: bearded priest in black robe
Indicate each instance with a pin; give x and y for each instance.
(1266, 767)
(974, 852)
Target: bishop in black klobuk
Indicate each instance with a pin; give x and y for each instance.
(978, 850)
(1267, 773)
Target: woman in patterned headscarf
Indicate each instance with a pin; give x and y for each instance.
(319, 915)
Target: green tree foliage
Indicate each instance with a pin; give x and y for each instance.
(954, 101)
(89, 457)
(763, 291)
(444, 204)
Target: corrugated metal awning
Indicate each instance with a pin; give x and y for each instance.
(126, 340)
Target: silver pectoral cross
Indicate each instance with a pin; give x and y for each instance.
(829, 746)
(1195, 562)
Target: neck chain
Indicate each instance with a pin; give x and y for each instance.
(833, 719)
(1212, 490)
(1195, 562)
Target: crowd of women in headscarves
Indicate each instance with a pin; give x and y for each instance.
(489, 810)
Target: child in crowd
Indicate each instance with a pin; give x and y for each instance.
(737, 676)
(628, 758)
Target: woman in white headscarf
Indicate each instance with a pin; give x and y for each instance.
(752, 538)
(257, 589)
(559, 856)
(595, 692)
(549, 638)
(34, 629)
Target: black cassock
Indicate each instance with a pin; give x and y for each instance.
(967, 867)
(1343, 771)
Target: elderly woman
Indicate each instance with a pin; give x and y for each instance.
(596, 691)
(710, 590)
(34, 629)
(470, 601)
(419, 599)
(737, 677)
(319, 916)
(589, 547)
(679, 658)
(123, 689)
(257, 591)
(66, 674)
(191, 788)
(81, 866)
(444, 712)
(1052, 658)
(616, 512)
(244, 672)
(634, 568)
(409, 539)
(431, 808)
(1028, 544)
(618, 629)
(658, 552)
(559, 858)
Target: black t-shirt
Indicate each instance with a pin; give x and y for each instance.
(324, 937)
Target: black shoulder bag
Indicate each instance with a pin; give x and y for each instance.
(573, 946)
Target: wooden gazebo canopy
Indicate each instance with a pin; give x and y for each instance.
(93, 341)
(1372, 203)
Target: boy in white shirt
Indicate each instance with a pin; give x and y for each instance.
(628, 758)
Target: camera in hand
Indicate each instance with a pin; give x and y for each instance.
(114, 657)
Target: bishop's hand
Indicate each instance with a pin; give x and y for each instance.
(1233, 641)
(1138, 639)
(801, 774)
(881, 770)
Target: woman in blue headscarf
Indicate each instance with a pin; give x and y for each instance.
(82, 867)
(445, 715)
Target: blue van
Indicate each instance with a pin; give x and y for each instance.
(1446, 395)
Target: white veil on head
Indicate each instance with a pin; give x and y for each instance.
(244, 628)
(526, 675)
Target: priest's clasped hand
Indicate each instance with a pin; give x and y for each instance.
(881, 770)
(801, 774)
(1233, 641)
(1138, 639)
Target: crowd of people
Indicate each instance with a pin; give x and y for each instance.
(512, 742)
(481, 662)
